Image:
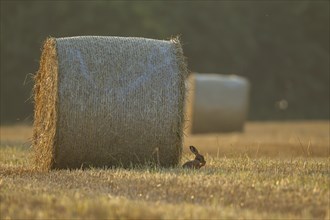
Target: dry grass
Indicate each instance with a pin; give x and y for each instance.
(270, 139)
(15, 135)
(239, 186)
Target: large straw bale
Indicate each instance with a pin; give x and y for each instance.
(218, 103)
(109, 101)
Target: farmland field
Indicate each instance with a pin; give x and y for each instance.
(273, 170)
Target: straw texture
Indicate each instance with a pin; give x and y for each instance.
(219, 103)
(111, 101)
(45, 111)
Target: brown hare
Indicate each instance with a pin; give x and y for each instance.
(198, 162)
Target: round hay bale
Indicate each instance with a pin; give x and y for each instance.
(219, 103)
(108, 101)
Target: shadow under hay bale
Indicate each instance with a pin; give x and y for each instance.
(109, 101)
(217, 103)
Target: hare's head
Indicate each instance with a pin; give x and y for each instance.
(198, 157)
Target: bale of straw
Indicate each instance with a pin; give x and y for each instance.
(108, 101)
(218, 103)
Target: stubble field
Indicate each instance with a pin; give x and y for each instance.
(273, 170)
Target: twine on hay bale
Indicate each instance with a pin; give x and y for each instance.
(218, 103)
(108, 101)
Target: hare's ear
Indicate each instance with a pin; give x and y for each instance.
(193, 149)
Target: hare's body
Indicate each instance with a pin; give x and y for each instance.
(198, 162)
(192, 164)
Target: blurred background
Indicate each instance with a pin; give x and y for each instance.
(281, 47)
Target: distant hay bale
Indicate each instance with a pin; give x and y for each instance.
(108, 101)
(218, 103)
